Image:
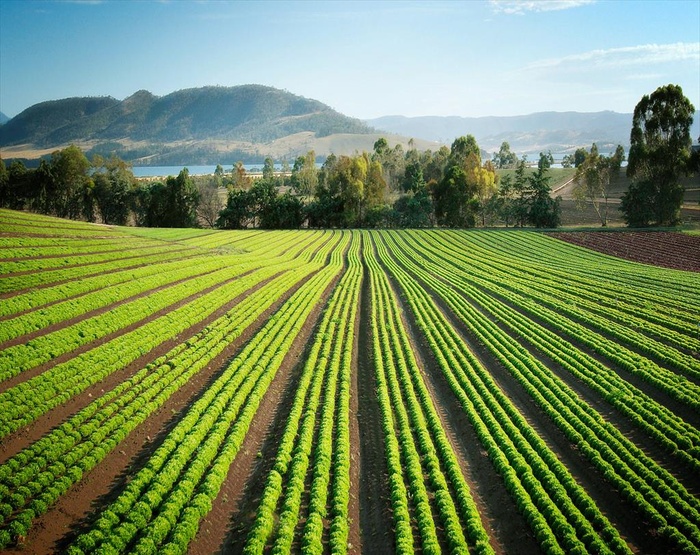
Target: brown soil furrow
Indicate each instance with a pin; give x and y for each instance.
(83, 503)
(91, 314)
(225, 528)
(355, 545)
(375, 523)
(17, 441)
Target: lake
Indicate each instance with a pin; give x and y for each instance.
(165, 171)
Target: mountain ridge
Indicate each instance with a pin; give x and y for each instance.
(210, 124)
(526, 134)
(255, 113)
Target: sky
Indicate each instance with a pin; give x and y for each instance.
(365, 59)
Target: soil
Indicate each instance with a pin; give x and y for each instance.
(375, 523)
(668, 249)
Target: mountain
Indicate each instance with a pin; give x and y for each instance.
(250, 112)
(201, 125)
(3, 118)
(529, 134)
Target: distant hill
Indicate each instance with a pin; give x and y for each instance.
(3, 118)
(530, 134)
(198, 125)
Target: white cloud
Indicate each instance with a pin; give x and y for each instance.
(643, 54)
(520, 7)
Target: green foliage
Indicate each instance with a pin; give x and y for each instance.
(251, 113)
(659, 154)
(544, 211)
(505, 158)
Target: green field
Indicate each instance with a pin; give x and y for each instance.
(342, 391)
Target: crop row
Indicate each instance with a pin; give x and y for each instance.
(421, 461)
(554, 311)
(125, 292)
(29, 399)
(661, 424)
(652, 490)
(538, 258)
(11, 250)
(18, 358)
(323, 384)
(577, 278)
(562, 516)
(33, 480)
(21, 283)
(161, 507)
(73, 291)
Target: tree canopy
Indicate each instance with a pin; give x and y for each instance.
(659, 154)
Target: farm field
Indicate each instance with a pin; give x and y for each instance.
(345, 391)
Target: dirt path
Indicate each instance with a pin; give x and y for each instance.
(376, 522)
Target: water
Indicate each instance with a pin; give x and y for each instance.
(165, 171)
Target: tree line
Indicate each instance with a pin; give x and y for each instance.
(388, 187)
(449, 187)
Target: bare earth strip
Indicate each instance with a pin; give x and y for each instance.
(660, 248)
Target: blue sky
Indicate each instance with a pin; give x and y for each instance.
(365, 59)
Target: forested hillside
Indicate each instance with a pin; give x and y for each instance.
(252, 113)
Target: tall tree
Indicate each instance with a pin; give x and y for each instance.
(659, 152)
(592, 183)
(268, 171)
(241, 180)
(114, 183)
(544, 210)
(69, 186)
(505, 158)
(486, 186)
(173, 204)
(305, 174)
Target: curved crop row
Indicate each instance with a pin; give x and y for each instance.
(162, 505)
(323, 384)
(34, 479)
(652, 490)
(562, 516)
